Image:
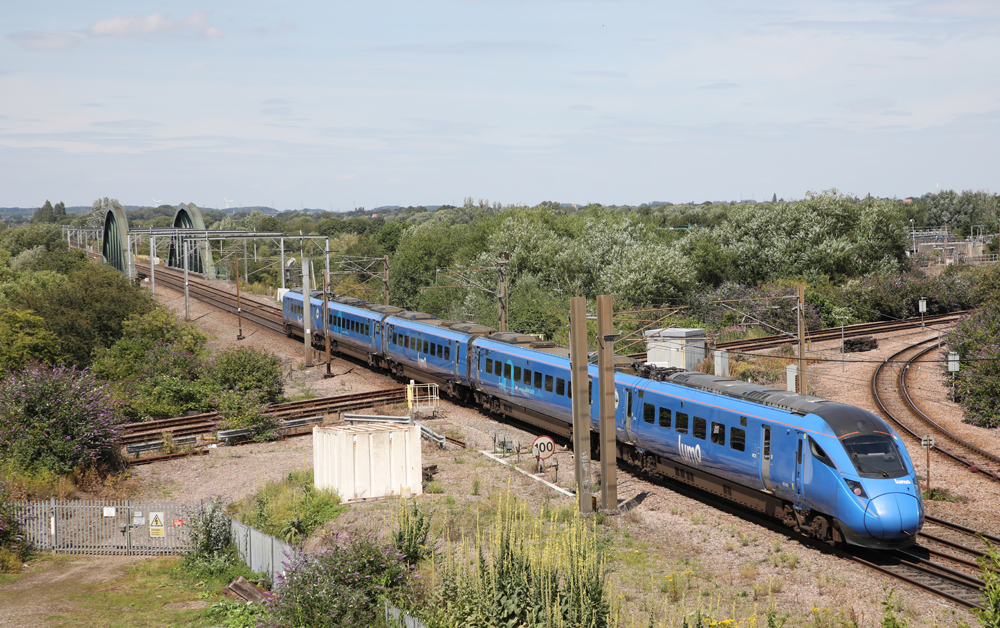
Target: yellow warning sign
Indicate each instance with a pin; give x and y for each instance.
(156, 528)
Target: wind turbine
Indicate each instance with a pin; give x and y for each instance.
(156, 203)
(227, 201)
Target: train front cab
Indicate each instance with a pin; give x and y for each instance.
(867, 478)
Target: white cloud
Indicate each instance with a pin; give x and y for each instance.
(40, 40)
(132, 24)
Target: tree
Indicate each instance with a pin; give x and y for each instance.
(59, 212)
(44, 214)
(99, 210)
(247, 369)
(87, 310)
(23, 338)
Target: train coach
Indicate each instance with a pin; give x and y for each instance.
(829, 470)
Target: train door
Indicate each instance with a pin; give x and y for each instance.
(799, 484)
(629, 421)
(765, 457)
(778, 460)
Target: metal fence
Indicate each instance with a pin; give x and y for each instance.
(105, 527)
(261, 552)
(132, 527)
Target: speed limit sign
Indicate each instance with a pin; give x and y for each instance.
(543, 447)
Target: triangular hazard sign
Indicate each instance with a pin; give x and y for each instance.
(156, 521)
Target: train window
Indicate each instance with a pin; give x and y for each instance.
(440, 351)
(590, 390)
(718, 433)
(433, 348)
(649, 413)
(743, 421)
(395, 338)
(489, 366)
(368, 329)
(506, 370)
(569, 388)
(798, 453)
(628, 405)
(447, 353)
(497, 368)
(406, 342)
(682, 423)
(664, 417)
(425, 347)
(548, 383)
(527, 376)
(538, 380)
(819, 454)
(517, 373)
(331, 319)
(767, 441)
(700, 427)
(737, 438)
(560, 386)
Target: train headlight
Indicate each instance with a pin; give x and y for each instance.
(856, 488)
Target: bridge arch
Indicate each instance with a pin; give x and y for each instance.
(200, 261)
(115, 248)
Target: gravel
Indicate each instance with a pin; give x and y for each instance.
(729, 564)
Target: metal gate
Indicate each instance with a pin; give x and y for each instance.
(105, 527)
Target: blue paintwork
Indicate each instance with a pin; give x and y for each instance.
(891, 512)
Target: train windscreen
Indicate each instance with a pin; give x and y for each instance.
(875, 456)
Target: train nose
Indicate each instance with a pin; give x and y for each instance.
(893, 516)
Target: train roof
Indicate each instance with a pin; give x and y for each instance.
(843, 419)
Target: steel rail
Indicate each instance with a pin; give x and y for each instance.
(895, 419)
(927, 419)
(829, 333)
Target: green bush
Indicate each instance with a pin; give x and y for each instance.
(239, 410)
(976, 339)
(290, 509)
(13, 548)
(342, 587)
(23, 339)
(127, 357)
(410, 538)
(248, 369)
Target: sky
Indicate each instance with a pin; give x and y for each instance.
(336, 105)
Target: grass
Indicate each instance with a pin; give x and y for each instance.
(152, 593)
(291, 509)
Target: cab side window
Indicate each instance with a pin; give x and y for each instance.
(682, 423)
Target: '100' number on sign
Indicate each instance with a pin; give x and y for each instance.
(543, 447)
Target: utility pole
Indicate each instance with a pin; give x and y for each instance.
(239, 302)
(152, 264)
(581, 402)
(246, 260)
(187, 302)
(802, 338)
(502, 289)
(282, 240)
(306, 319)
(326, 319)
(385, 279)
(606, 403)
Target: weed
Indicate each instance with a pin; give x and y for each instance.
(675, 584)
(459, 460)
(745, 539)
(749, 572)
(776, 547)
(730, 546)
(291, 509)
(434, 487)
(785, 558)
(943, 495)
(698, 518)
(413, 526)
(475, 484)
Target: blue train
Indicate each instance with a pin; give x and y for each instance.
(826, 469)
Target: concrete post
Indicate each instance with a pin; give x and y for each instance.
(721, 362)
(152, 264)
(282, 263)
(306, 317)
(581, 402)
(187, 301)
(606, 398)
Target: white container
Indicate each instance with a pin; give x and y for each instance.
(678, 347)
(366, 461)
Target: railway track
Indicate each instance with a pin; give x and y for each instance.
(268, 316)
(903, 411)
(833, 333)
(208, 422)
